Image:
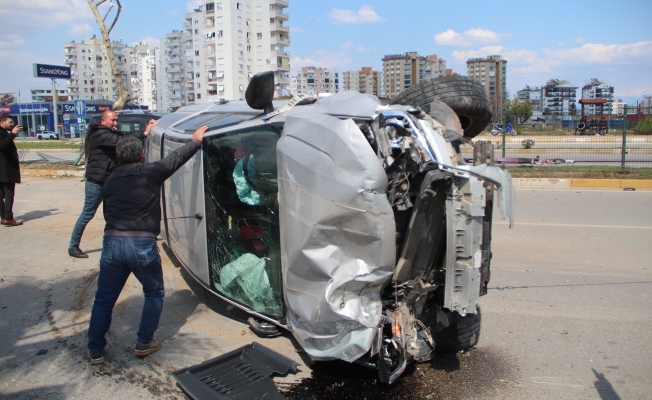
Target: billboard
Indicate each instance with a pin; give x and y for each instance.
(51, 71)
(7, 98)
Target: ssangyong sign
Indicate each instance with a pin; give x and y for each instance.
(51, 71)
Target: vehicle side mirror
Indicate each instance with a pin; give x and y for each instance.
(260, 92)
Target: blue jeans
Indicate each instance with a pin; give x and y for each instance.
(92, 199)
(120, 257)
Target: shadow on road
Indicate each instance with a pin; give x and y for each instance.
(32, 215)
(604, 388)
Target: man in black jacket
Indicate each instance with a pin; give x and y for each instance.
(132, 210)
(100, 163)
(9, 169)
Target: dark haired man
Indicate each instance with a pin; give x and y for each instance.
(132, 210)
(9, 169)
(100, 163)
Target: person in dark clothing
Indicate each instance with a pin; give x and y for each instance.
(100, 163)
(9, 169)
(132, 211)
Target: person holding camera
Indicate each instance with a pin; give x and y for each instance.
(9, 169)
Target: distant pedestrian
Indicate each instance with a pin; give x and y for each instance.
(9, 169)
(100, 163)
(132, 210)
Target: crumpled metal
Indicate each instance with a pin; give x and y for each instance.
(337, 235)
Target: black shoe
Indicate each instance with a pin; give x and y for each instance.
(96, 359)
(143, 349)
(77, 253)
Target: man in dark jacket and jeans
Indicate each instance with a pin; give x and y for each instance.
(100, 163)
(132, 210)
(9, 169)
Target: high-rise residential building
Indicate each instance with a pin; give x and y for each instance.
(366, 80)
(401, 71)
(531, 95)
(143, 75)
(558, 99)
(434, 67)
(491, 71)
(222, 45)
(312, 81)
(173, 76)
(598, 90)
(91, 75)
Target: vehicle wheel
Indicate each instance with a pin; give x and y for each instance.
(513, 132)
(465, 96)
(40, 138)
(495, 132)
(461, 334)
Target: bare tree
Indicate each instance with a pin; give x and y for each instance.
(124, 98)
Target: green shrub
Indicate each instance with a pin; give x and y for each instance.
(645, 127)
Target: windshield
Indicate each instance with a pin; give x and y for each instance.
(242, 218)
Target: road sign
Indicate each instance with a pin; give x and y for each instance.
(80, 109)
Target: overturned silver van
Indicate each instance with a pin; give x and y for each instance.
(358, 227)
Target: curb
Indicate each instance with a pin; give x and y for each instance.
(574, 183)
(52, 172)
(541, 183)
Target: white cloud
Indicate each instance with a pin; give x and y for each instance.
(470, 37)
(27, 16)
(11, 41)
(593, 53)
(364, 15)
(360, 48)
(322, 58)
(561, 44)
(192, 4)
(580, 40)
(81, 29)
(347, 45)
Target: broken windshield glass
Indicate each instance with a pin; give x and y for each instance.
(242, 218)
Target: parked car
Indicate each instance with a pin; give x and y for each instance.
(47, 135)
(356, 226)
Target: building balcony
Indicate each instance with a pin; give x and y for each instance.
(175, 79)
(209, 23)
(187, 25)
(211, 92)
(279, 15)
(275, 40)
(279, 28)
(279, 3)
(175, 95)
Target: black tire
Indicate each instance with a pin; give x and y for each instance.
(40, 138)
(468, 98)
(461, 334)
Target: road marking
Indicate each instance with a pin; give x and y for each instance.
(517, 223)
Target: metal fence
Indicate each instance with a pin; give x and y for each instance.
(558, 148)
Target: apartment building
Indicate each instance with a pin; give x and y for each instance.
(491, 72)
(598, 90)
(531, 95)
(313, 81)
(142, 74)
(366, 80)
(91, 75)
(401, 71)
(558, 99)
(222, 45)
(435, 67)
(44, 94)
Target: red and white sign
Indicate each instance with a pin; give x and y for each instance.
(5, 109)
(103, 108)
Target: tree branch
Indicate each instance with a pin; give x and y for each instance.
(99, 3)
(107, 13)
(117, 14)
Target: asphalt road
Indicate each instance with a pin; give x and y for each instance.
(567, 314)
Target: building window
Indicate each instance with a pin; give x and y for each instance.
(218, 19)
(239, 19)
(197, 75)
(238, 6)
(259, 35)
(259, 9)
(239, 33)
(259, 22)
(196, 52)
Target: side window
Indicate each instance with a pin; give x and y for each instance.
(240, 188)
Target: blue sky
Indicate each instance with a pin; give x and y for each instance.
(573, 40)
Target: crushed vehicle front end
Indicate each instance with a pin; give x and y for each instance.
(384, 235)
